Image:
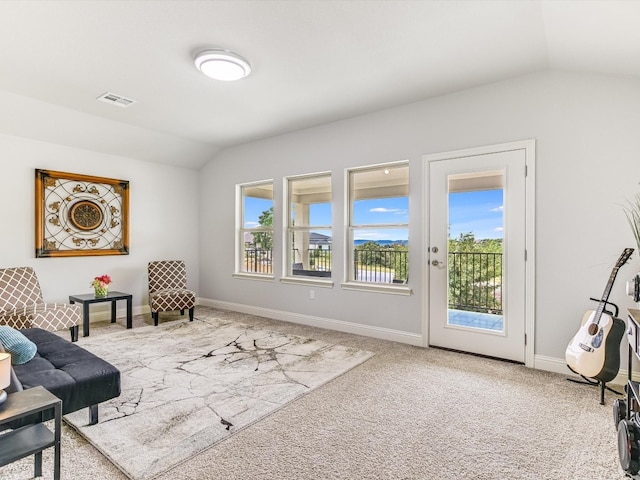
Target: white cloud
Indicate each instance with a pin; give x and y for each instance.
(396, 211)
(498, 209)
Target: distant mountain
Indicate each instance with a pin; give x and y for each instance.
(382, 243)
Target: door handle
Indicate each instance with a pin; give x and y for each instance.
(435, 263)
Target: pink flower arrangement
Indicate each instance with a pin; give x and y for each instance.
(101, 282)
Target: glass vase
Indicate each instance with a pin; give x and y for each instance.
(101, 292)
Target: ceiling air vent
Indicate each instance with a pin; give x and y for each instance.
(116, 100)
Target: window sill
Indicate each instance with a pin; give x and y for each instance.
(254, 276)
(300, 280)
(378, 288)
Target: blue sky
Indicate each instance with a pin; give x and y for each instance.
(381, 211)
(479, 212)
(366, 212)
(253, 208)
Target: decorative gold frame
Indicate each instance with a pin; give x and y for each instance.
(80, 215)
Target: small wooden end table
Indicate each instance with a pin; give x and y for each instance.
(86, 299)
(31, 439)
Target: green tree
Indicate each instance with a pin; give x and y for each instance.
(265, 239)
(465, 243)
(369, 253)
(386, 258)
(475, 273)
(400, 262)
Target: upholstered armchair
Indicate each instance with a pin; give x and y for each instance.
(22, 306)
(168, 289)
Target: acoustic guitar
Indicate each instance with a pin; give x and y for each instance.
(594, 351)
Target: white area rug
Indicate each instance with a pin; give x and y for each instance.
(188, 385)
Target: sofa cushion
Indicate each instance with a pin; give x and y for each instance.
(20, 347)
(76, 376)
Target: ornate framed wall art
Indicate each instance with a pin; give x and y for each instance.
(80, 215)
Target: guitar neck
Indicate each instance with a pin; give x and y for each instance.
(626, 254)
(605, 295)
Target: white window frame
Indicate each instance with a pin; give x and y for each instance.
(289, 228)
(241, 230)
(349, 283)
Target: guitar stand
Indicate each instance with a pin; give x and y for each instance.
(615, 307)
(594, 383)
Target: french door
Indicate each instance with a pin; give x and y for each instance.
(477, 272)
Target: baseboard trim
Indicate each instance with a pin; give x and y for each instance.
(320, 322)
(541, 362)
(558, 365)
(551, 364)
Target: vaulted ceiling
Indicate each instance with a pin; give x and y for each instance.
(314, 62)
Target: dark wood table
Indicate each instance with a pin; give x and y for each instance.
(86, 299)
(31, 439)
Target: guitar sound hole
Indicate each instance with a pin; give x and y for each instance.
(593, 329)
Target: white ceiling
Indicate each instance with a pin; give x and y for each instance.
(313, 62)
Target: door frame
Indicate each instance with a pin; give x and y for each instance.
(529, 147)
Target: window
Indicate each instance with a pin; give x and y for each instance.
(379, 224)
(309, 226)
(255, 232)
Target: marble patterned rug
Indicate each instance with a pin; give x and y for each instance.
(189, 385)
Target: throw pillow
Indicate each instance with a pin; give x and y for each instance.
(20, 347)
(16, 384)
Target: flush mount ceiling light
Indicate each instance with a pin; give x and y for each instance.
(222, 64)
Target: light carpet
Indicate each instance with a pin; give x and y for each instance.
(188, 385)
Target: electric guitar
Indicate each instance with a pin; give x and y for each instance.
(594, 351)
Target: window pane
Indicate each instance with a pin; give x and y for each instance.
(256, 229)
(309, 245)
(475, 250)
(379, 223)
(310, 201)
(380, 196)
(381, 255)
(257, 205)
(311, 253)
(258, 252)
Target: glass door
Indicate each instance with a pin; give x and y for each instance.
(477, 254)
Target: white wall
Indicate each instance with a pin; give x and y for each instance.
(586, 129)
(588, 163)
(163, 219)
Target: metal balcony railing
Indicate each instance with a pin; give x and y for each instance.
(377, 266)
(258, 260)
(475, 282)
(475, 279)
(318, 263)
(319, 259)
(380, 266)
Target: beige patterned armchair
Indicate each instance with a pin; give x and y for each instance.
(168, 289)
(22, 306)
